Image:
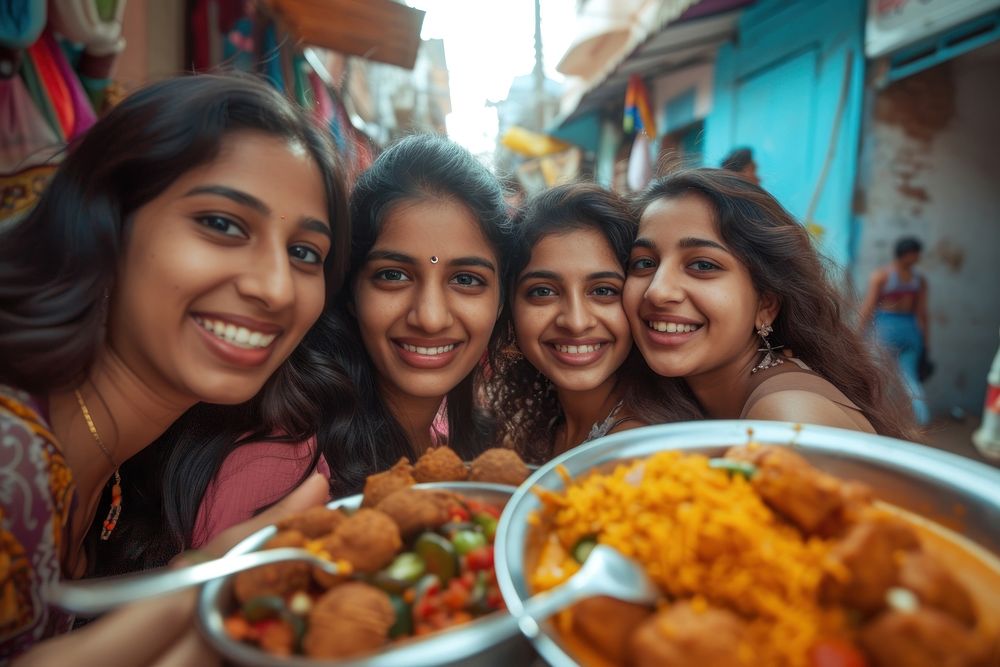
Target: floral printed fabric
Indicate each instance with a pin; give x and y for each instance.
(36, 497)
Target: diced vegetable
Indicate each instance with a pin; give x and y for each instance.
(734, 467)
(407, 566)
(404, 618)
(478, 601)
(438, 555)
(583, 548)
(262, 607)
(480, 559)
(465, 541)
(487, 523)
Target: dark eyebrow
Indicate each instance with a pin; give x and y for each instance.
(543, 275)
(318, 226)
(692, 242)
(237, 196)
(473, 261)
(605, 274)
(391, 256)
(643, 242)
(246, 199)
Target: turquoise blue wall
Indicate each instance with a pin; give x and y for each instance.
(777, 89)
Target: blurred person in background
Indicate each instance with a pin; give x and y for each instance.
(740, 160)
(896, 303)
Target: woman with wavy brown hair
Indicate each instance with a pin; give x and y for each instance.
(722, 281)
(568, 373)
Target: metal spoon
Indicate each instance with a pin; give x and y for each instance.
(93, 596)
(605, 572)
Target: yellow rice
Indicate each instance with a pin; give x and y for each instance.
(705, 536)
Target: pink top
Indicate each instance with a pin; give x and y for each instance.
(259, 474)
(253, 477)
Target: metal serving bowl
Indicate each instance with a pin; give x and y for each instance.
(956, 492)
(491, 640)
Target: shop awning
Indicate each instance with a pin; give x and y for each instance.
(607, 30)
(380, 30)
(675, 47)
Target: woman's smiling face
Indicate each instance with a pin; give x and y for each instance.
(691, 303)
(427, 297)
(567, 310)
(222, 274)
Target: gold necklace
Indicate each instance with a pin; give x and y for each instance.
(116, 491)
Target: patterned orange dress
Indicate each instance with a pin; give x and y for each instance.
(36, 499)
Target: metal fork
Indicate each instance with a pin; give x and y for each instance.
(93, 596)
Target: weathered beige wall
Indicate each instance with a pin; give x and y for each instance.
(154, 32)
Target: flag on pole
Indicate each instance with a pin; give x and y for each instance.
(638, 111)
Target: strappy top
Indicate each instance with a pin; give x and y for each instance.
(896, 290)
(805, 379)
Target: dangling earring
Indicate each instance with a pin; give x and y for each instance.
(769, 359)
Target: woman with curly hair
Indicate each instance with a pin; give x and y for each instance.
(568, 373)
(722, 277)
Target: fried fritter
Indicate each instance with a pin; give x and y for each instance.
(383, 484)
(680, 636)
(348, 620)
(368, 540)
(415, 510)
(314, 522)
(440, 464)
(277, 578)
(500, 466)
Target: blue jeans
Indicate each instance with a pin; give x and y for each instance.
(899, 333)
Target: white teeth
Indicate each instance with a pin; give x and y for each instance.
(578, 349)
(429, 351)
(238, 336)
(673, 327)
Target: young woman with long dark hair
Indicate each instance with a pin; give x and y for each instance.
(721, 278)
(411, 330)
(177, 259)
(568, 373)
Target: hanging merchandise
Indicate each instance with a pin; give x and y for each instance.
(24, 132)
(531, 144)
(83, 112)
(94, 24)
(640, 163)
(21, 22)
(53, 87)
(94, 27)
(36, 89)
(638, 112)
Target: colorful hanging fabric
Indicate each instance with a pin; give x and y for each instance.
(640, 163)
(83, 112)
(53, 86)
(270, 57)
(96, 24)
(21, 22)
(36, 89)
(24, 132)
(638, 111)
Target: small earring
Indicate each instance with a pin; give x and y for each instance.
(769, 360)
(434, 259)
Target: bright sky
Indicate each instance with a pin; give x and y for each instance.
(487, 43)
